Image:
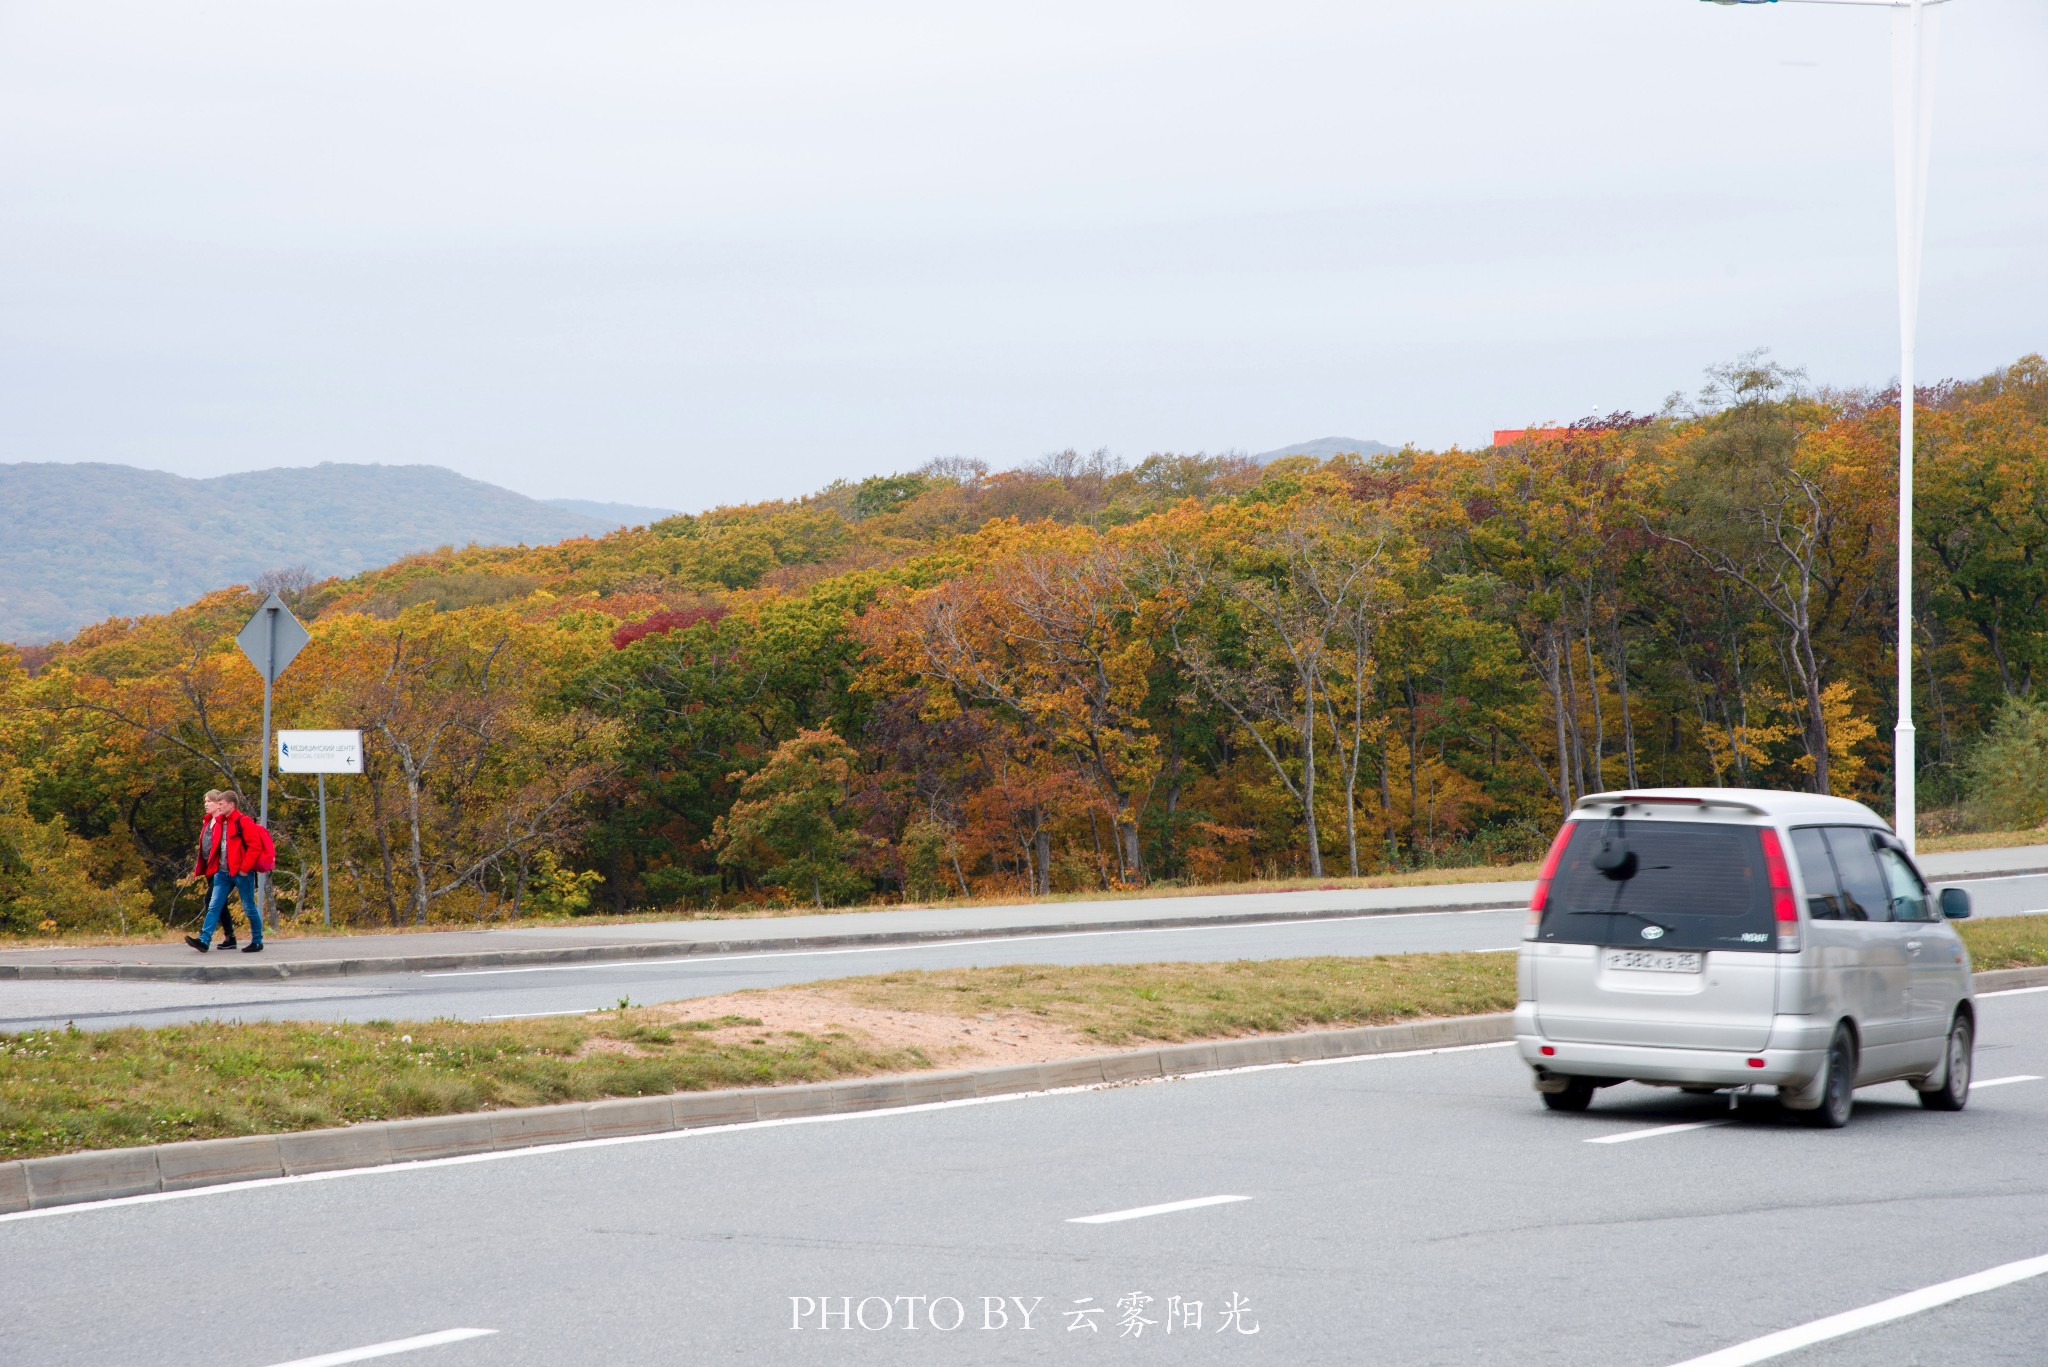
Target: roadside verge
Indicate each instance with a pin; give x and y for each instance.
(38, 1183)
(68, 1179)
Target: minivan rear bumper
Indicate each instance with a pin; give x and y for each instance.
(1794, 1055)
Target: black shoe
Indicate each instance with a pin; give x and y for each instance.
(253, 947)
(196, 943)
(228, 943)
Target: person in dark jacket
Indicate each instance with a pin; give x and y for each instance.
(227, 858)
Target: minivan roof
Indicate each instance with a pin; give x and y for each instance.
(1756, 801)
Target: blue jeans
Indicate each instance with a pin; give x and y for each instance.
(244, 886)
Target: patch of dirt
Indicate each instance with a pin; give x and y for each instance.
(949, 1041)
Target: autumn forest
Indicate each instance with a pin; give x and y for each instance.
(1087, 674)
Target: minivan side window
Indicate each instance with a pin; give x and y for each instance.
(1865, 894)
(1910, 901)
(1817, 871)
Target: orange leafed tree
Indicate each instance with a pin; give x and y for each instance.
(1044, 629)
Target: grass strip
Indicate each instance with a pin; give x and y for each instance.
(63, 1090)
(2006, 942)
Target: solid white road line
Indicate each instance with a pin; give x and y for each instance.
(1983, 1082)
(385, 1350)
(537, 1150)
(1883, 1312)
(1140, 1212)
(536, 1015)
(2013, 992)
(1652, 1134)
(958, 944)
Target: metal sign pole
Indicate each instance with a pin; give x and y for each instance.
(326, 911)
(270, 641)
(263, 803)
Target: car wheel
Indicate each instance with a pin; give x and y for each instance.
(1954, 1092)
(1838, 1093)
(1576, 1096)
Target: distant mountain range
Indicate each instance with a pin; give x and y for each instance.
(611, 516)
(1322, 448)
(79, 543)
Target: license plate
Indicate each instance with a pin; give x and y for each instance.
(1651, 961)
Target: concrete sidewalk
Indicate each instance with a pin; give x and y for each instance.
(355, 955)
(329, 956)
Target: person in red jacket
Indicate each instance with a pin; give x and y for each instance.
(228, 845)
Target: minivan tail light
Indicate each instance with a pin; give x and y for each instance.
(1541, 897)
(1784, 907)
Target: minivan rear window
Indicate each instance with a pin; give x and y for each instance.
(1690, 885)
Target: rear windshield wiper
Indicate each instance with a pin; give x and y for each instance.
(1619, 911)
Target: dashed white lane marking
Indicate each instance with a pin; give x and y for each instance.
(1140, 1212)
(1984, 1082)
(2013, 992)
(702, 1132)
(1883, 1312)
(385, 1350)
(963, 944)
(1653, 1133)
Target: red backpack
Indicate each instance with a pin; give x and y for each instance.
(261, 847)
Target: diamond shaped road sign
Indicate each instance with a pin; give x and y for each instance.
(273, 638)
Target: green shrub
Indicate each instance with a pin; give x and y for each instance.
(45, 884)
(928, 861)
(2005, 776)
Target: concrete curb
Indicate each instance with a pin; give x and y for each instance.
(241, 970)
(39, 1183)
(2005, 979)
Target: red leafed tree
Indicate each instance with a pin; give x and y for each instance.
(673, 619)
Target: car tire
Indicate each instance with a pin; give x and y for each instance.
(1576, 1096)
(1954, 1092)
(1838, 1091)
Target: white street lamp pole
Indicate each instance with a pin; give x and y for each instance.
(1913, 35)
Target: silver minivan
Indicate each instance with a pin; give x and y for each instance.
(1718, 939)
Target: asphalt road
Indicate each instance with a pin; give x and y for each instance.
(477, 994)
(1419, 1209)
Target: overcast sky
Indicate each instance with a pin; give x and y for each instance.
(690, 253)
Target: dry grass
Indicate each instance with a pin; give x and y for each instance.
(1980, 840)
(2007, 941)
